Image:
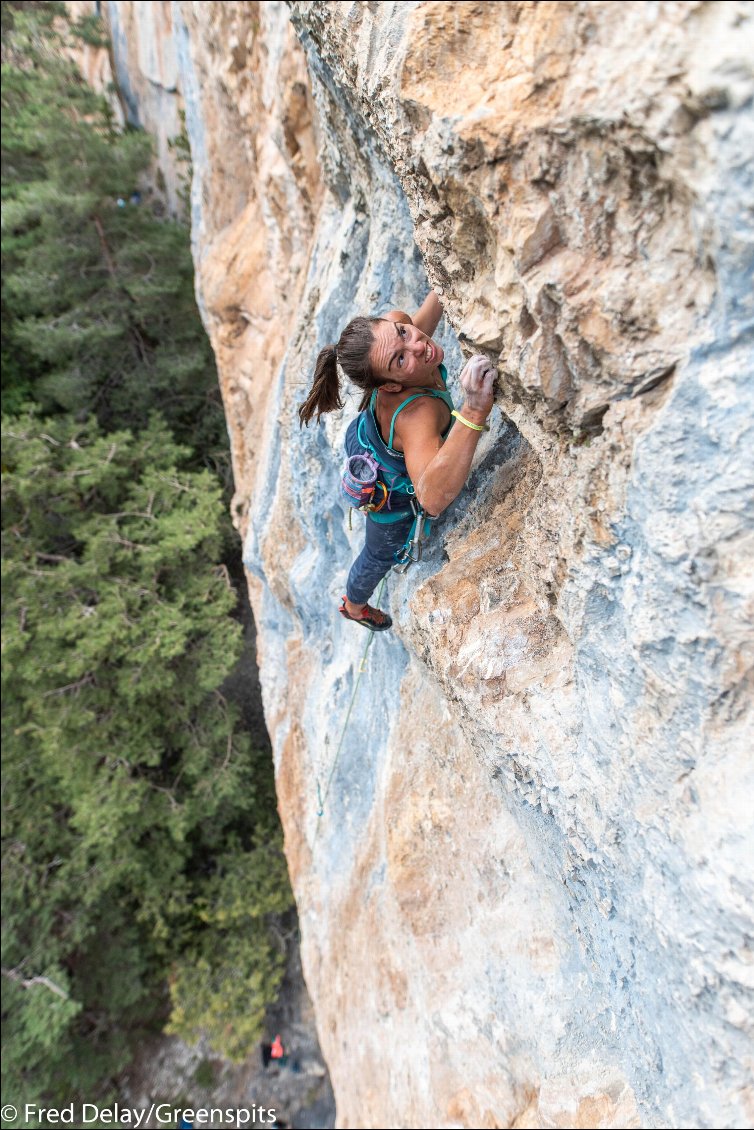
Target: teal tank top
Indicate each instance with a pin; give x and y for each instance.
(395, 459)
(436, 393)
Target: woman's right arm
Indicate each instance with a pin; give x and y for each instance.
(428, 316)
(438, 470)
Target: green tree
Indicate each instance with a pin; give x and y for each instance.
(234, 966)
(136, 817)
(99, 313)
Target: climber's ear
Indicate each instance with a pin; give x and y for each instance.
(399, 316)
(392, 386)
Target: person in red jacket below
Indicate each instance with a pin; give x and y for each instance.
(274, 1051)
(399, 369)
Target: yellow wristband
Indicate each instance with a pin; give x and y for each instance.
(468, 423)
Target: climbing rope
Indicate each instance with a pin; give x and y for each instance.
(321, 800)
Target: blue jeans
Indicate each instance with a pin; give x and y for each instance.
(376, 558)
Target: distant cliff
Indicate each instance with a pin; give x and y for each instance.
(529, 899)
(139, 73)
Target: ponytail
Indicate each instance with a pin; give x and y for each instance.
(325, 393)
(352, 352)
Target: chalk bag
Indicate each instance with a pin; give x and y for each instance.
(359, 481)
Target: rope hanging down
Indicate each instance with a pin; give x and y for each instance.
(321, 800)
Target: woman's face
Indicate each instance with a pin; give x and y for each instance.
(403, 355)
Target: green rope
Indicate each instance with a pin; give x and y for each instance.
(321, 800)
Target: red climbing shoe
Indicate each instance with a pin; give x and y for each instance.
(369, 617)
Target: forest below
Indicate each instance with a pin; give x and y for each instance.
(143, 873)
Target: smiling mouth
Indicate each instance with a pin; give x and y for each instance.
(429, 352)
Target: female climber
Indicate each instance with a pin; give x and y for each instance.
(399, 369)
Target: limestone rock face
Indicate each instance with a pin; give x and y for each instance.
(145, 63)
(93, 60)
(527, 900)
(139, 75)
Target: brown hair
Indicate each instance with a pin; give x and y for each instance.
(352, 352)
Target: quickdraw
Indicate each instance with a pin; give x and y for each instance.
(419, 532)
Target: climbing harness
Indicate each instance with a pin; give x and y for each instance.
(411, 550)
(322, 799)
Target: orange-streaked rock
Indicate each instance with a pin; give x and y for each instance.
(527, 898)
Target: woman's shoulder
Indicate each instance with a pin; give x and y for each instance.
(417, 401)
(426, 415)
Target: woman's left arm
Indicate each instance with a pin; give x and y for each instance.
(427, 317)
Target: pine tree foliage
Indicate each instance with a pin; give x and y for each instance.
(98, 290)
(138, 839)
(223, 986)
